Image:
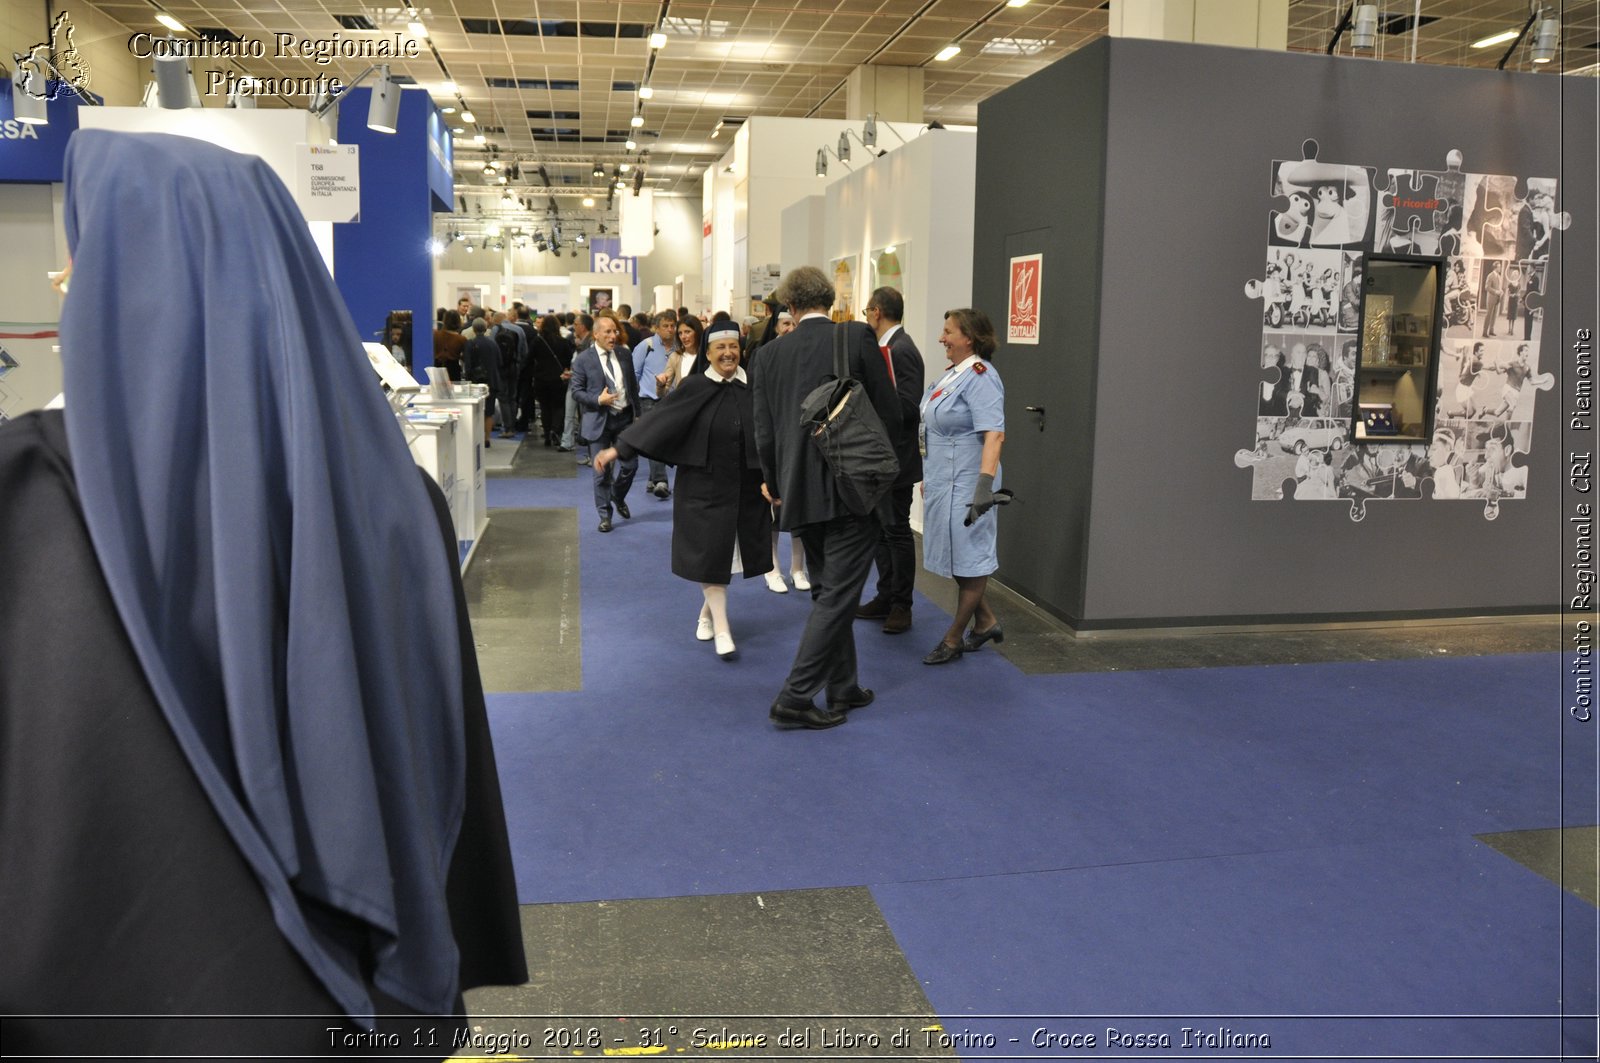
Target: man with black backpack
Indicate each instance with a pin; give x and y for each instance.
(513, 348)
(839, 542)
(480, 364)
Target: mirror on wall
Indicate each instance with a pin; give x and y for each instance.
(1397, 356)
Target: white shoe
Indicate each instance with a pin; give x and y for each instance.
(702, 630)
(775, 583)
(725, 647)
(801, 581)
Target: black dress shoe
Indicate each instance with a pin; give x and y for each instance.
(861, 700)
(899, 620)
(810, 717)
(942, 654)
(622, 508)
(605, 524)
(975, 639)
(876, 609)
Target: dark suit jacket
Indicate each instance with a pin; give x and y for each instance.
(908, 374)
(784, 373)
(589, 379)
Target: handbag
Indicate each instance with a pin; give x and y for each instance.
(842, 424)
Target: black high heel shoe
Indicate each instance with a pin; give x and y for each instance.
(974, 640)
(942, 653)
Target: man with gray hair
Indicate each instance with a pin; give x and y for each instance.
(839, 545)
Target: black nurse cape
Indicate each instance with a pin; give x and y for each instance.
(707, 430)
(121, 892)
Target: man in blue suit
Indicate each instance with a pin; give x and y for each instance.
(607, 394)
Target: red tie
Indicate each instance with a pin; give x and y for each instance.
(887, 361)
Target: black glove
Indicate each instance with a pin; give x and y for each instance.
(984, 499)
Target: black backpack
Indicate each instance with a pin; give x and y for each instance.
(842, 423)
(507, 342)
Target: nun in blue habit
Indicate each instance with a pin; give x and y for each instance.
(245, 765)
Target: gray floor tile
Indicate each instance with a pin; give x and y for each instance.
(707, 975)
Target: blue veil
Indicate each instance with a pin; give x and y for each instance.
(269, 546)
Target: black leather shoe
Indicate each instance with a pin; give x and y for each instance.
(975, 639)
(862, 699)
(899, 620)
(622, 508)
(605, 524)
(876, 609)
(810, 717)
(942, 654)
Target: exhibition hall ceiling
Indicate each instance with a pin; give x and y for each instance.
(556, 81)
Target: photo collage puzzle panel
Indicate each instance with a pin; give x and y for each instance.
(1494, 234)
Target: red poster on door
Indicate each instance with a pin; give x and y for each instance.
(1022, 314)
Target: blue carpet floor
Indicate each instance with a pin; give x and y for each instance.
(1287, 840)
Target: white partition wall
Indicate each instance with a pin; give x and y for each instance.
(803, 225)
(272, 134)
(917, 199)
(770, 165)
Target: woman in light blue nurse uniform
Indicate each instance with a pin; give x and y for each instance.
(964, 422)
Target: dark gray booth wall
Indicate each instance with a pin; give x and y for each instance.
(1142, 171)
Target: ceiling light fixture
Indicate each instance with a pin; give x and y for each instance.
(646, 92)
(658, 39)
(598, 171)
(1498, 38)
(449, 88)
(631, 145)
(948, 52)
(588, 201)
(29, 109)
(1016, 3)
(469, 117)
(623, 167)
(636, 121)
(479, 138)
(171, 23)
(1549, 38)
(417, 29)
(1364, 32)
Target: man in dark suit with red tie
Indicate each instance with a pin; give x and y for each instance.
(897, 552)
(839, 545)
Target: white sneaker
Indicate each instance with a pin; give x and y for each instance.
(801, 582)
(725, 647)
(775, 583)
(702, 630)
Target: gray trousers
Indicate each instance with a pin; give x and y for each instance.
(839, 556)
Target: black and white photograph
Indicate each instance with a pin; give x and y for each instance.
(1302, 288)
(1490, 380)
(1492, 215)
(1300, 452)
(1318, 204)
(1462, 279)
(1348, 316)
(1305, 382)
(1381, 472)
(1414, 217)
(1488, 468)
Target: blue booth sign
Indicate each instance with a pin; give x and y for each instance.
(35, 154)
(605, 256)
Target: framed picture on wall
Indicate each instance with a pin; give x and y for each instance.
(1023, 303)
(843, 271)
(598, 299)
(888, 267)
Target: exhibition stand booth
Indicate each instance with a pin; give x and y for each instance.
(1185, 269)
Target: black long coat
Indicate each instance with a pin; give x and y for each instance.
(782, 374)
(706, 429)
